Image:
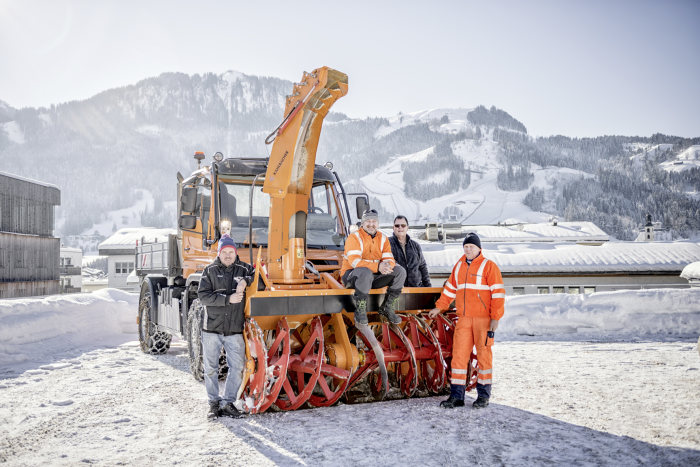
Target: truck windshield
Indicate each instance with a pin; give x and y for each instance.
(323, 225)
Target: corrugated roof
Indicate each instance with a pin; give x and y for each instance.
(631, 257)
(540, 232)
(127, 237)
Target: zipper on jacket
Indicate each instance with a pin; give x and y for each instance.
(466, 281)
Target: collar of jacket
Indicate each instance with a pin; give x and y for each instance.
(479, 258)
(365, 234)
(408, 238)
(218, 262)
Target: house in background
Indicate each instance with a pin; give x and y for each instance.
(120, 250)
(564, 257)
(29, 253)
(70, 265)
(94, 273)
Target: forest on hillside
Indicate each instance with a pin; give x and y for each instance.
(100, 151)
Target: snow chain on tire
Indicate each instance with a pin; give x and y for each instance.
(194, 343)
(150, 339)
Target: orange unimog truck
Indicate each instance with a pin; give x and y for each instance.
(290, 218)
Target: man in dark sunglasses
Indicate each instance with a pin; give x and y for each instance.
(407, 252)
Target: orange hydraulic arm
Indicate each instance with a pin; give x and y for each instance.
(290, 171)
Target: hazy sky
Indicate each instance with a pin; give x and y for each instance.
(578, 68)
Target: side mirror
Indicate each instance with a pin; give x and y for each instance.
(188, 222)
(361, 204)
(188, 201)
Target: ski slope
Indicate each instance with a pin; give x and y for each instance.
(482, 202)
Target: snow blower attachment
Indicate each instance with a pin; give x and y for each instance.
(303, 346)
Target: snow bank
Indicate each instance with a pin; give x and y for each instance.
(40, 329)
(623, 314)
(691, 271)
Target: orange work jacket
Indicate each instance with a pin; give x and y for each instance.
(363, 251)
(476, 288)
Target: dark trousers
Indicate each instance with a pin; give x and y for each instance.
(363, 279)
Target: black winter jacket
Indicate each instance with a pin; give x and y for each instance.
(217, 285)
(413, 262)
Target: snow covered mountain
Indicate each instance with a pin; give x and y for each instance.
(439, 197)
(475, 165)
(102, 150)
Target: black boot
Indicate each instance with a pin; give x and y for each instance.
(360, 310)
(214, 410)
(230, 410)
(391, 303)
(480, 403)
(483, 393)
(451, 403)
(456, 398)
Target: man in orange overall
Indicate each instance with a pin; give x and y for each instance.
(369, 264)
(476, 286)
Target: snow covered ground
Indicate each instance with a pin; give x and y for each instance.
(603, 379)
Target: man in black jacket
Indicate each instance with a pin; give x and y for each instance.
(221, 291)
(408, 254)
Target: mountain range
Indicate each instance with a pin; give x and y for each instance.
(469, 165)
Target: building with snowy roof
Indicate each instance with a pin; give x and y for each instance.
(70, 270)
(573, 232)
(558, 267)
(29, 253)
(560, 257)
(120, 250)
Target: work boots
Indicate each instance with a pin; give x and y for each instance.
(230, 410)
(214, 410)
(451, 403)
(480, 403)
(456, 398)
(391, 303)
(360, 310)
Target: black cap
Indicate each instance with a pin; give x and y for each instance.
(370, 214)
(473, 239)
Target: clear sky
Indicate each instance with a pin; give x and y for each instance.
(578, 68)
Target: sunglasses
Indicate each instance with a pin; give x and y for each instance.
(398, 226)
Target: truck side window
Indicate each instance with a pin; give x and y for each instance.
(205, 202)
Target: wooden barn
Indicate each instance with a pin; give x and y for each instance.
(29, 254)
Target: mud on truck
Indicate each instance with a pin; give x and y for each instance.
(290, 218)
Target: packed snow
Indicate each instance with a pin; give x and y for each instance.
(691, 272)
(600, 379)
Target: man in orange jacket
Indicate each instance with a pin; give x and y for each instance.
(369, 264)
(476, 286)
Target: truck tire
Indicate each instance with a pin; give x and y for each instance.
(194, 339)
(194, 343)
(151, 340)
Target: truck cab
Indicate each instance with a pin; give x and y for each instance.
(229, 192)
